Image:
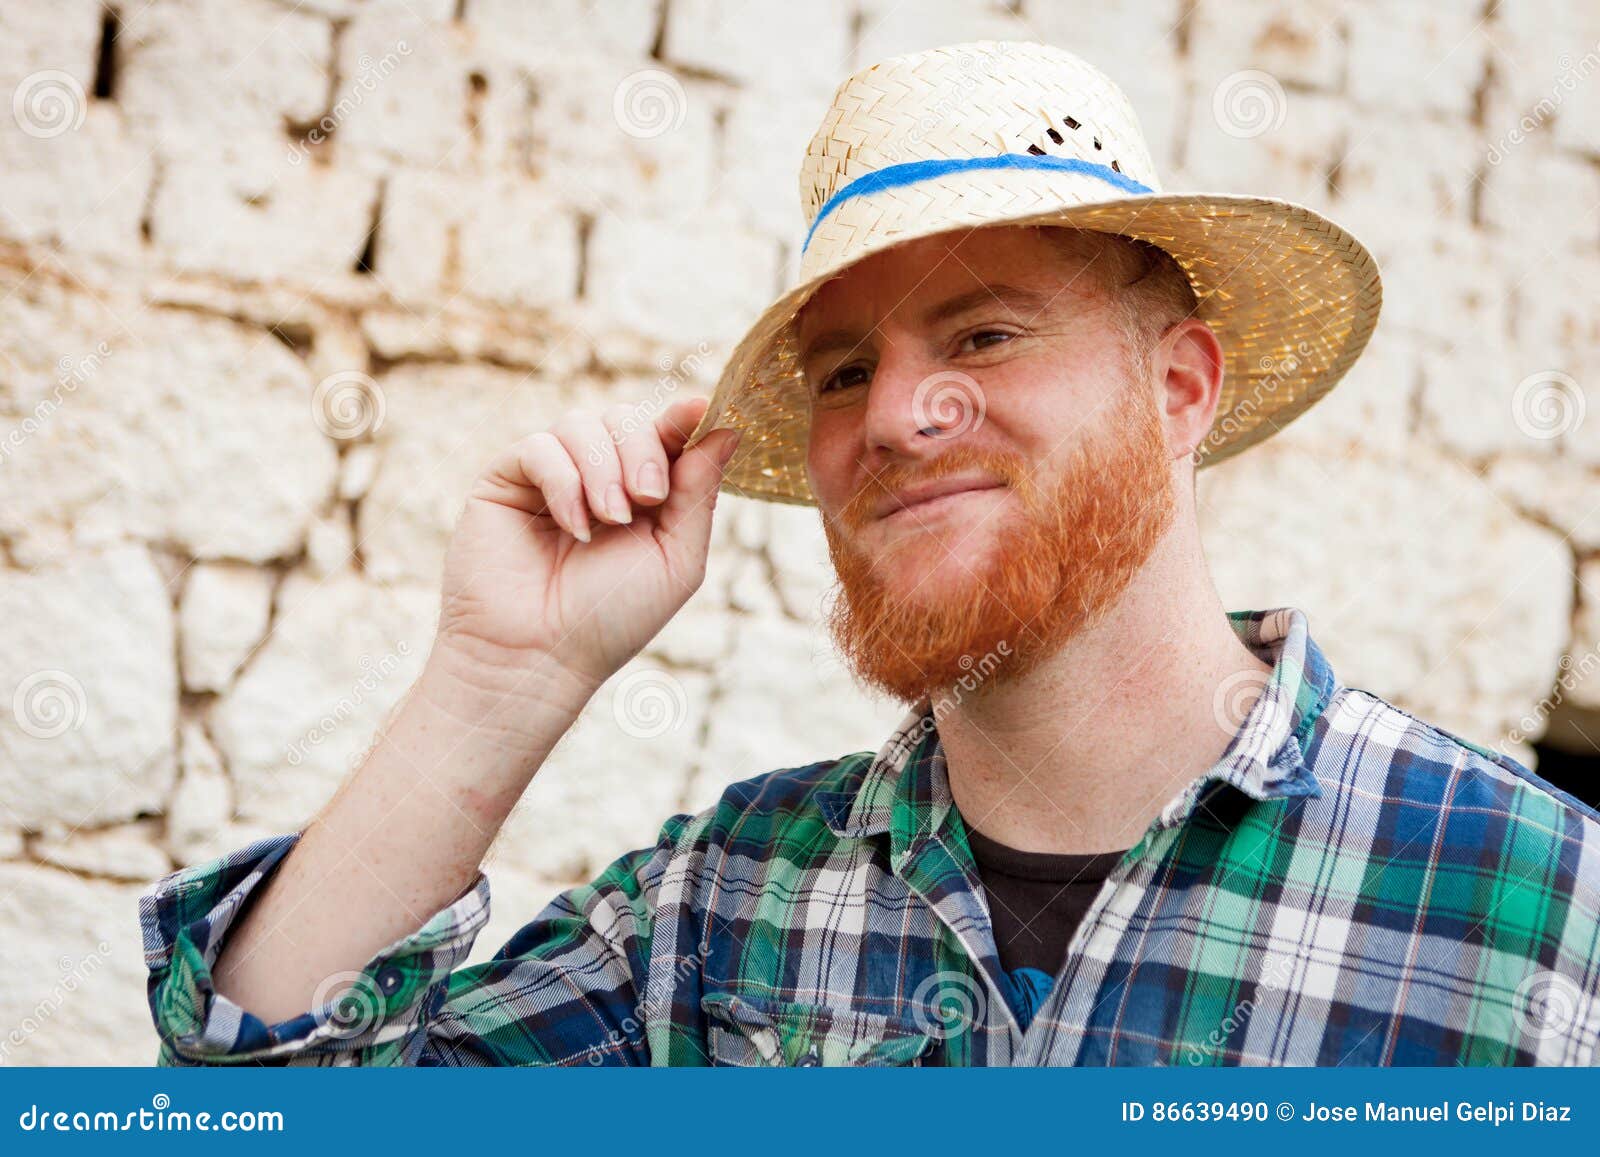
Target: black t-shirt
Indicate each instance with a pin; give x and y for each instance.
(1036, 902)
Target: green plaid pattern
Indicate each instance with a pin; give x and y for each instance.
(1347, 885)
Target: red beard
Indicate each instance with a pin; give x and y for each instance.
(1053, 570)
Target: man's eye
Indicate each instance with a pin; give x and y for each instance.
(844, 378)
(986, 337)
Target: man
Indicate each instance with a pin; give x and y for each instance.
(1118, 825)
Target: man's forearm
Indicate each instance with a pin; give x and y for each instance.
(404, 835)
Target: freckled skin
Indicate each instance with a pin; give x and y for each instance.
(1040, 384)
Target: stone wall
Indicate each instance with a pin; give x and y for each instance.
(275, 278)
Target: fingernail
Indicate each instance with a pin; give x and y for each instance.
(730, 446)
(617, 504)
(580, 522)
(651, 484)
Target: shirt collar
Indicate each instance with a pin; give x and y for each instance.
(906, 792)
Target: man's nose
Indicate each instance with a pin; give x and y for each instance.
(908, 403)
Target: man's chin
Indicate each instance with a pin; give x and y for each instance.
(930, 565)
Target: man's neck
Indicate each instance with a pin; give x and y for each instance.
(1084, 751)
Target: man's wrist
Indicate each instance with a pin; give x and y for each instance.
(472, 684)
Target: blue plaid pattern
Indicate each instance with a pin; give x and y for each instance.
(1347, 885)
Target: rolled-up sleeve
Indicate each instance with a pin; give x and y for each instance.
(560, 992)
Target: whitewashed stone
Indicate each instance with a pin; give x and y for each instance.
(1551, 491)
(342, 653)
(784, 700)
(800, 563)
(72, 974)
(683, 281)
(222, 616)
(1287, 153)
(885, 28)
(83, 189)
(61, 37)
(171, 427)
(715, 36)
(1565, 189)
(1300, 44)
(700, 634)
(501, 239)
(443, 425)
(1135, 44)
(88, 691)
(1579, 677)
(274, 218)
(1468, 648)
(621, 136)
(536, 37)
(330, 545)
(125, 852)
(765, 137)
(201, 806)
(1389, 205)
(1546, 57)
(1370, 409)
(356, 471)
(751, 589)
(1419, 57)
(221, 80)
(405, 91)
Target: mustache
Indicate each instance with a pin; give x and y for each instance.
(1012, 468)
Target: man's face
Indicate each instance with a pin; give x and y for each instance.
(991, 472)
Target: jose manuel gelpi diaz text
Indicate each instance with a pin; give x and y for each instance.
(1492, 1112)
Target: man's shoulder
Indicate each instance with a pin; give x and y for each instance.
(1368, 739)
(782, 805)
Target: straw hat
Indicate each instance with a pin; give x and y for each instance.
(1008, 133)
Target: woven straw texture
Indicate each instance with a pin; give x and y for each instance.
(1292, 297)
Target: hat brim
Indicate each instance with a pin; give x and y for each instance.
(1292, 297)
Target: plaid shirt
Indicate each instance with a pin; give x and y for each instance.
(1347, 885)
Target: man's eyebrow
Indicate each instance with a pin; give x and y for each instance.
(1026, 303)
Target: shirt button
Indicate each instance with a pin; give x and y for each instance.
(389, 980)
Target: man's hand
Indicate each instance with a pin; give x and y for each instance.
(580, 542)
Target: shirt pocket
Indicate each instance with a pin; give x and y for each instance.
(743, 1030)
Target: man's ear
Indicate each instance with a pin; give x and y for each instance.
(1191, 385)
